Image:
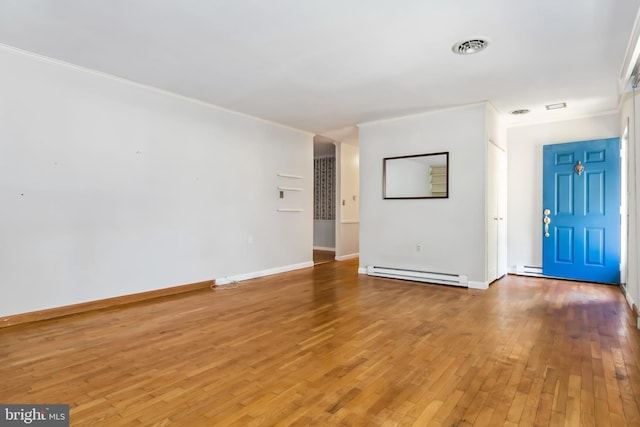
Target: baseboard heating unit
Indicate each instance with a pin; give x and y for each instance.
(529, 270)
(419, 276)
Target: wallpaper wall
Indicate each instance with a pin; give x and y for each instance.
(324, 201)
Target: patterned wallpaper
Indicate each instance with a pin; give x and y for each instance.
(324, 200)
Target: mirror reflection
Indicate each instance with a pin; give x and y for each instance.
(421, 176)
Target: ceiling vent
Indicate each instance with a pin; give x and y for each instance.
(519, 112)
(469, 47)
(556, 106)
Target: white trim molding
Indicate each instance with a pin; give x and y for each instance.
(348, 256)
(323, 248)
(630, 300)
(240, 277)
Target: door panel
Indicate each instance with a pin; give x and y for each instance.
(564, 245)
(564, 194)
(583, 239)
(595, 193)
(595, 246)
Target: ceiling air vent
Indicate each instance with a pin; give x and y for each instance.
(469, 47)
(520, 112)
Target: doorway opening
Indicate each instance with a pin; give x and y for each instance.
(324, 200)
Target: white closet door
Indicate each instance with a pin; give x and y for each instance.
(496, 207)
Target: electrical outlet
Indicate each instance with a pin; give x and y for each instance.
(419, 247)
(282, 194)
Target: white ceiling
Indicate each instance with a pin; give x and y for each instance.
(328, 64)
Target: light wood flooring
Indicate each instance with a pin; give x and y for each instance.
(324, 346)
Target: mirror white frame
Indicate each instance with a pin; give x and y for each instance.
(419, 176)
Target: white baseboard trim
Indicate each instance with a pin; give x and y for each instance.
(362, 270)
(323, 248)
(240, 277)
(630, 301)
(346, 257)
(477, 285)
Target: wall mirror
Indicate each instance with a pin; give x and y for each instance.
(421, 176)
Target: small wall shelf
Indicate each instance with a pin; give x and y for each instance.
(282, 187)
(287, 175)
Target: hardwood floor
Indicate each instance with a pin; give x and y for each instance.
(322, 256)
(324, 346)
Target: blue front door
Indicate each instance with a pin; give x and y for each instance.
(581, 211)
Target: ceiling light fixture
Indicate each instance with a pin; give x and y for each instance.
(469, 47)
(519, 112)
(557, 106)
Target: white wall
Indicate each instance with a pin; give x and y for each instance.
(524, 206)
(349, 194)
(630, 116)
(110, 188)
(451, 231)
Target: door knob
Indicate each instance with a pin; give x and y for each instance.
(546, 221)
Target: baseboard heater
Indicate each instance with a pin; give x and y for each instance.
(529, 270)
(419, 276)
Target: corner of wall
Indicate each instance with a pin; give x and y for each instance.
(478, 285)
